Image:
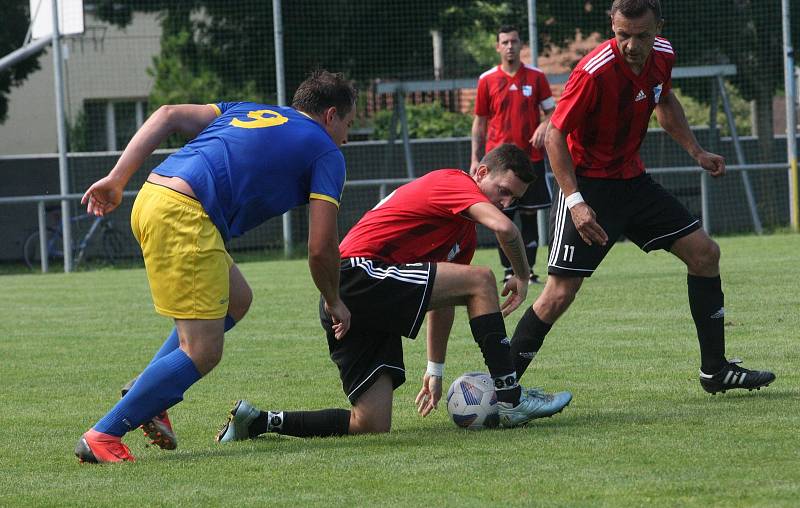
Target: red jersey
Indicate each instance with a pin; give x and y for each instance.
(512, 105)
(420, 221)
(605, 109)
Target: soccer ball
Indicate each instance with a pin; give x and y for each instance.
(472, 401)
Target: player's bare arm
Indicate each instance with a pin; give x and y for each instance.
(439, 322)
(561, 162)
(537, 140)
(187, 119)
(672, 118)
(323, 261)
(510, 240)
(478, 142)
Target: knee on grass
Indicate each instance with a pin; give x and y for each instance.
(369, 424)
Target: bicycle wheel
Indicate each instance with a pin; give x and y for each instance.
(113, 245)
(31, 251)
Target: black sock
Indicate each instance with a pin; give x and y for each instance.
(528, 338)
(530, 235)
(489, 332)
(322, 423)
(706, 301)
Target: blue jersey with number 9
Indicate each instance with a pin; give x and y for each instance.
(255, 162)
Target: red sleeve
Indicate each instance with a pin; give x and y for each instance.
(453, 191)
(544, 88)
(668, 83)
(482, 99)
(576, 102)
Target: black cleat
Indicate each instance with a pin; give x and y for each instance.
(732, 376)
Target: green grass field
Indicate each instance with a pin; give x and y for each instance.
(639, 432)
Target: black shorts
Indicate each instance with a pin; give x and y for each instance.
(386, 302)
(638, 208)
(538, 194)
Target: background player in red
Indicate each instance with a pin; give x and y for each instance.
(507, 106)
(410, 256)
(593, 145)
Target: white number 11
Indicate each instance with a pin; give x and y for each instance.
(569, 251)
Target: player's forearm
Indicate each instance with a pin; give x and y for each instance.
(440, 322)
(323, 248)
(324, 267)
(186, 119)
(561, 160)
(153, 132)
(513, 247)
(672, 118)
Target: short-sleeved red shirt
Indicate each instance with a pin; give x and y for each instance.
(420, 221)
(512, 104)
(605, 109)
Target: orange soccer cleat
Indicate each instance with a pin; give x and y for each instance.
(98, 448)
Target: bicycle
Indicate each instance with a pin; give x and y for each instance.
(113, 241)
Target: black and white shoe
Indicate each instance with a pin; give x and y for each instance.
(533, 280)
(732, 376)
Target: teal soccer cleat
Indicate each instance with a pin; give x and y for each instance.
(237, 428)
(533, 404)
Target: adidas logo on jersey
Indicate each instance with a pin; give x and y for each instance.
(640, 96)
(513, 87)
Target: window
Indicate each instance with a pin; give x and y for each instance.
(110, 124)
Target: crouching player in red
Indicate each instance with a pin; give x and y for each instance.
(410, 256)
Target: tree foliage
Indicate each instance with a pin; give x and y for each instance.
(205, 41)
(361, 38)
(426, 121)
(14, 27)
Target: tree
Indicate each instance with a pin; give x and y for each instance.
(15, 25)
(231, 44)
(361, 38)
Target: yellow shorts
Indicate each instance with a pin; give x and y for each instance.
(184, 255)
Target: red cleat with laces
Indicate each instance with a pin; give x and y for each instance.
(159, 431)
(159, 428)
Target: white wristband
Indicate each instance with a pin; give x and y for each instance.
(573, 199)
(435, 369)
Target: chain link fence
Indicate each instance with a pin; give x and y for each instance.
(416, 64)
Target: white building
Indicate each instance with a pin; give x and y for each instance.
(106, 80)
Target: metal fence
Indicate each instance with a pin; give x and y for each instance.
(416, 63)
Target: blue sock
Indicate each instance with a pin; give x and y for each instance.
(158, 388)
(172, 343)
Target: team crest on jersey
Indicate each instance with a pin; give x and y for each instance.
(657, 92)
(527, 90)
(453, 252)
